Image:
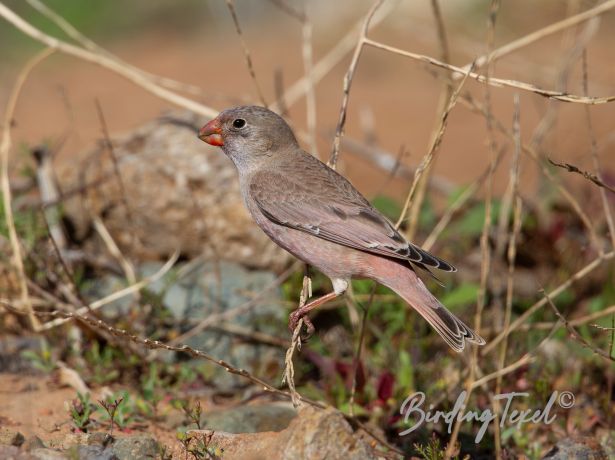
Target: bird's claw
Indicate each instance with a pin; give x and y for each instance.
(293, 321)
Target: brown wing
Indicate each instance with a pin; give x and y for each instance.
(319, 201)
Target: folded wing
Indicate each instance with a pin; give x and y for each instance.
(336, 212)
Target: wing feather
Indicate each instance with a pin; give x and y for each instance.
(335, 211)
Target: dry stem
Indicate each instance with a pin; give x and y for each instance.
(339, 131)
(246, 51)
(5, 148)
(496, 82)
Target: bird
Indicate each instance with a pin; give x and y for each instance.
(318, 216)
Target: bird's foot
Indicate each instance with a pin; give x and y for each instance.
(293, 321)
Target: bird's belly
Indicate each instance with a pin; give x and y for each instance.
(332, 259)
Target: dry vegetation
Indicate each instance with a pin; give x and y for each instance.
(558, 337)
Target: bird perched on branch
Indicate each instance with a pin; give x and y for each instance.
(317, 215)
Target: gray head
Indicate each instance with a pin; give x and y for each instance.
(247, 134)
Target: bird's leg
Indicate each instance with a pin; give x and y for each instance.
(339, 287)
(302, 312)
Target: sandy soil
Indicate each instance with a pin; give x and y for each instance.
(36, 405)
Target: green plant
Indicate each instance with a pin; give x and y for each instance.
(151, 388)
(103, 363)
(433, 450)
(164, 452)
(199, 446)
(81, 410)
(41, 360)
(124, 410)
(193, 412)
(111, 408)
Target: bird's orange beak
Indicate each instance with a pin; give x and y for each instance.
(212, 133)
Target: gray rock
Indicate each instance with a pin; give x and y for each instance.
(99, 438)
(181, 194)
(91, 453)
(314, 434)
(105, 285)
(199, 290)
(215, 288)
(139, 447)
(11, 352)
(48, 454)
(580, 448)
(12, 452)
(34, 443)
(11, 437)
(251, 419)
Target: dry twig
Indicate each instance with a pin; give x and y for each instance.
(429, 156)
(233, 312)
(445, 96)
(103, 60)
(511, 256)
(310, 95)
(594, 152)
(329, 60)
(288, 376)
(587, 175)
(88, 44)
(496, 82)
(115, 295)
(552, 294)
(339, 131)
(573, 332)
(246, 51)
(5, 148)
(533, 37)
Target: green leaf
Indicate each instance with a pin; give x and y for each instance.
(387, 206)
(461, 295)
(472, 222)
(405, 374)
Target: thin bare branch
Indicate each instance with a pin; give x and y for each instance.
(596, 160)
(288, 376)
(485, 249)
(540, 34)
(239, 310)
(554, 293)
(310, 95)
(431, 152)
(129, 73)
(87, 43)
(469, 102)
(496, 82)
(331, 59)
(459, 203)
(246, 51)
(525, 359)
(573, 332)
(5, 148)
(114, 250)
(511, 256)
(115, 295)
(587, 175)
(339, 131)
(445, 95)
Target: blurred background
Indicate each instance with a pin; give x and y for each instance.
(195, 42)
(131, 185)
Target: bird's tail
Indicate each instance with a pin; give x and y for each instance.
(410, 287)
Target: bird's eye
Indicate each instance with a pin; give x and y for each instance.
(239, 123)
